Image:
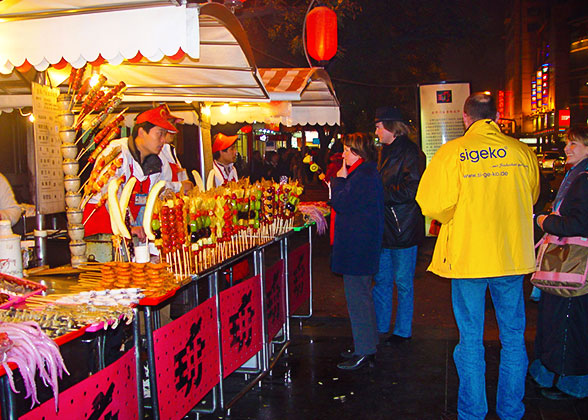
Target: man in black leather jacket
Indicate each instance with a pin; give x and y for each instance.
(401, 164)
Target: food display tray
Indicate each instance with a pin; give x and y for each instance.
(14, 299)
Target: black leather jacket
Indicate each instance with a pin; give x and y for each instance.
(401, 165)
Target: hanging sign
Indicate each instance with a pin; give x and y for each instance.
(240, 311)
(186, 360)
(299, 276)
(275, 298)
(108, 394)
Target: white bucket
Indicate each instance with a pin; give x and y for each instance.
(10, 253)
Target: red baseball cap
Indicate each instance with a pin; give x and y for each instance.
(222, 142)
(159, 116)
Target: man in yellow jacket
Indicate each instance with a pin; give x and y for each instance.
(482, 188)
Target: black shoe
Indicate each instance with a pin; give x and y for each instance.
(556, 395)
(347, 354)
(357, 362)
(396, 339)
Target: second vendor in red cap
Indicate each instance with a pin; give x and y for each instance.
(224, 153)
(140, 156)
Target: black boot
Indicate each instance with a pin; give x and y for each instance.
(358, 361)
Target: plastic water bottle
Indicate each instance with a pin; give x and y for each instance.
(10, 253)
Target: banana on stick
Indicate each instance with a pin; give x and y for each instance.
(153, 194)
(124, 203)
(116, 222)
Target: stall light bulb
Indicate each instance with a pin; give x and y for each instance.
(225, 109)
(32, 118)
(206, 110)
(94, 79)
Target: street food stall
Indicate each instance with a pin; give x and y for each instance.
(193, 57)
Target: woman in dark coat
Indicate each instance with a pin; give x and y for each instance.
(561, 345)
(357, 198)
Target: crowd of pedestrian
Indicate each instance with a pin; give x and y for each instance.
(484, 207)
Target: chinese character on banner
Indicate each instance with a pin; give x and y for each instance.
(299, 276)
(275, 298)
(241, 329)
(110, 394)
(186, 360)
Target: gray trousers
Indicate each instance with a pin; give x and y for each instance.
(360, 305)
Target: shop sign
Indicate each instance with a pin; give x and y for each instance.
(108, 394)
(563, 118)
(241, 329)
(299, 276)
(186, 360)
(275, 298)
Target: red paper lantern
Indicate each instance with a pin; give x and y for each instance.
(321, 33)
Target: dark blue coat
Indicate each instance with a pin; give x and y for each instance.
(358, 201)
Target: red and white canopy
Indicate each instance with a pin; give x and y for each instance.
(165, 51)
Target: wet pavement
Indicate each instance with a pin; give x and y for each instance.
(413, 380)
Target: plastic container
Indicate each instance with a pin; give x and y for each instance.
(10, 253)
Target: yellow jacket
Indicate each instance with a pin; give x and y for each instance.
(482, 188)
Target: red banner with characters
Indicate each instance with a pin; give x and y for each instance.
(240, 311)
(275, 298)
(186, 360)
(109, 394)
(299, 276)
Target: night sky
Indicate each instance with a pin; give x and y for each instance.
(391, 46)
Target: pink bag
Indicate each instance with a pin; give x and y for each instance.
(562, 266)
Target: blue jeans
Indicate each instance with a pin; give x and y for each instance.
(396, 266)
(575, 385)
(468, 298)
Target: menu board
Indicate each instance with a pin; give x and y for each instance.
(441, 114)
(49, 188)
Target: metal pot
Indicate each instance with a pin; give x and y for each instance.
(75, 216)
(69, 150)
(76, 232)
(70, 167)
(66, 119)
(73, 199)
(72, 183)
(67, 135)
(77, 248)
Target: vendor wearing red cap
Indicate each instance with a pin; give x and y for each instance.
(143, 159)
(224, 152)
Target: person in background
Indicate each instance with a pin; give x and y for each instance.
(357, 197)
(401, 164)
(270, 168)
(561, 344)
(482, 187)
(224, 153)
(9, 208)
(169, 152)
(256, 165)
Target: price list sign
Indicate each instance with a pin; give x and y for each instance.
(48, 171)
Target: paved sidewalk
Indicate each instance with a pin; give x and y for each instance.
(414, 380)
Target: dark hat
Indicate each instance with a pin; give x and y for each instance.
(222, 142)
(388, 113)
(159, 116)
